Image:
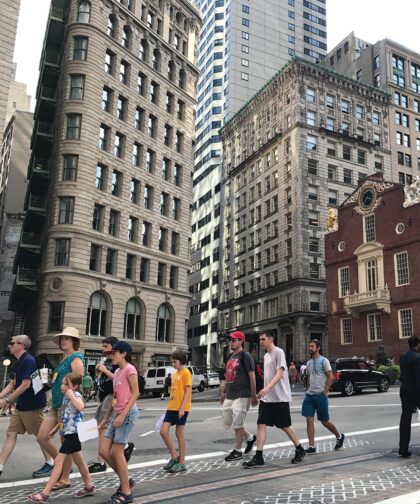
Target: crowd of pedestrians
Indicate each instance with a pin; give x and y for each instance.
(118, 389)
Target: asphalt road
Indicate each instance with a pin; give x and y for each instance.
(370, 421)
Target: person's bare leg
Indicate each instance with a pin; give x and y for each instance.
(101, 441)
(239, 436)
(310, 428)
(164, 432)
(55, 475)
(43, 438)
(331, 427)
(290, 431)
(179, 432)
(8, 446)
(83, 468)
(261, 435)
(117, 455)
(105, 452)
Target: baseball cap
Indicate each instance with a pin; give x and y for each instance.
(122, 346)
(237, 335)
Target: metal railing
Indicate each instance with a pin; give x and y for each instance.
(45, 128)
(32, 239)
(48, 92)
(41, 165)
(37, 202)
(57, 12)
(52, 57)
(26, 276)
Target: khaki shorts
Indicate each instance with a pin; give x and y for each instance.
(103, 408)
(26, 421)
(234, 412)
(53, 413)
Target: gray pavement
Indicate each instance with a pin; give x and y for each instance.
(367, 469)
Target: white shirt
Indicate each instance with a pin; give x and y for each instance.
(281, 392)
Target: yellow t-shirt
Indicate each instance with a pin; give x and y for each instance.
(180, 380)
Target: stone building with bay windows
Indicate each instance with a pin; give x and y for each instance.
(297, 149)
(372, 272)
(105, 240)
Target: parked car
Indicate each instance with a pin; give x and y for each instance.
(155, 379)
(212, 380)
(353, 375)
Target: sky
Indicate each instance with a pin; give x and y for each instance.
(371, 20)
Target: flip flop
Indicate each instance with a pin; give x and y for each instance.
(42, 497)
(60, 485)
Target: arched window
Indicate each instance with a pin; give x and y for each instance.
(171, 70)
(144, 50)
(163, 324)
(132, 319)
(112, 26)
(156, 59)
(182, 79)
(83, 12)
(126, 37)
(96, 321)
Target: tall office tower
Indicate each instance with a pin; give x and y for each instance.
(391, 67)
(105, 241)
(242, 45)
(292, 155)
(8, 27)
(18, 99)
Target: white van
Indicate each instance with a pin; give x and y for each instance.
(155, 379)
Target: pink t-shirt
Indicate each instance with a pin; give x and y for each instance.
(122, 391)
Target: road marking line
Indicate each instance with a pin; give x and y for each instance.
(153, 463)
(147, 433)
(411, 498)
(213, 418)
(250, 478)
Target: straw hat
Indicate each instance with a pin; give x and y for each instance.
(71, 332)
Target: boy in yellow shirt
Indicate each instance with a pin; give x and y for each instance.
(179, 406)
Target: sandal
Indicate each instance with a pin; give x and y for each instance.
(60, 485)
(39, 497)
(121, 499)
(132, 484)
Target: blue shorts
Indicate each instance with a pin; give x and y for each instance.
(172, 417)
(120, 434)
(318, 403)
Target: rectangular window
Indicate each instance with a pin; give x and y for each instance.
(343, 281)
(116, 183)
(332, 197)
(95, 257)
(56, 316)
(312, 167)
(315, 301)
(144, 269)
(146, 234)
(74, 124)
(405, 323)
(66, 210)
(119, 142)
(347, 154)
(109, 62)
(347, 176)
(111, 262)
(103, 141)
(114, 218)
(314, 245)
(150, 161)
(130, 268)
(132, 228)
(371, 275)
(313, 270)
(100, 177)
(346, 334)
(80, 48)
(173, 277)
(369, 225)
(98, 217)
(77, 87)
(311, 142)
(332, 172)
(147, 197)
(70, 162)
(374, 326)
(313, 218)
(164, 203)
(134, 191)
(161, 274)
(401, 269)
(62, 252)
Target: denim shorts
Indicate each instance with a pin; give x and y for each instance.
(120, 435)
(318, 403)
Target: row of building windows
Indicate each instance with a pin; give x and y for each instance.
(98, 318)
(374, 326)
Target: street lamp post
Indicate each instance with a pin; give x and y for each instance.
(6, 364)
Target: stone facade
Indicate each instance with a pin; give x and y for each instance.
(372, 273)
(297, 149)
(114, 130)
(391, 67)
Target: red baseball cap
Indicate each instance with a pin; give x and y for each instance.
(237, 335)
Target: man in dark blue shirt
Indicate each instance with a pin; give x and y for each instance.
(409, 391)
(28, 413)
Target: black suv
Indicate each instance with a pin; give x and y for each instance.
(354, 375)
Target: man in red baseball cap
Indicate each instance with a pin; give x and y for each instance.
(237, 392)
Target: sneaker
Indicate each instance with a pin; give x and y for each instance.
(97, 467)
(170, 464)
(43, 471)
(128, 451)
(177, 468)
(340, 442)
(253, 462)
(84, 492)
(250, 444)
(233, 455)
(311, 449)
(403, 454)
(299, 455)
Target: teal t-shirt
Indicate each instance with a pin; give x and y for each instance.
(60, 372)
